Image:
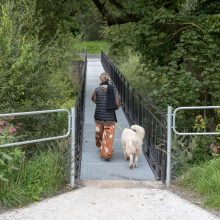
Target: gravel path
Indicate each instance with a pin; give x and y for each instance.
(113, 201)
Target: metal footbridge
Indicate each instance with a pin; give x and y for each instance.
(92, 166)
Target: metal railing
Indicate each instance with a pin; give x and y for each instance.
(192, 108)
(171, 128)
(40, 139)
(79, 120)
(69, 131)
(142, 111)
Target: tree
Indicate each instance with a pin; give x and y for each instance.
(177, 41)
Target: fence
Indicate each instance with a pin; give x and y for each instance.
(142, 111)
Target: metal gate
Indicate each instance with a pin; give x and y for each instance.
(70, 132)
(171, 128)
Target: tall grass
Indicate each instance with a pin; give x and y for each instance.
(40, 176)
(94, 47)
(204, 180)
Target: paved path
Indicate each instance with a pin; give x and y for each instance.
(113, 201)
(92, 166)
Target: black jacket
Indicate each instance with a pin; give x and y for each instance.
(100, 98)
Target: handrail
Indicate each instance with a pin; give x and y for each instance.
(191, 108)
(41, 139)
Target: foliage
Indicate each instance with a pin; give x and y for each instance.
(40, 176)
(205, 181)
(134, 71)
(34, 74)
(120, 40)
(42, 67)
(35, 71)
(90, 22)
(69, 16)
(178, 43)
(20, 58)
(64, 15)
(189, 150)
(10, 159)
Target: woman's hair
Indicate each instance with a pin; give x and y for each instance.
(104, 77)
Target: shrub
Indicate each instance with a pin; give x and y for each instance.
(10, 158)
(35, 74)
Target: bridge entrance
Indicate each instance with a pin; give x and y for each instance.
(92, 166)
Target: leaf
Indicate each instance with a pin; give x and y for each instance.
(6, 156)
(2, 162)
(3, 178)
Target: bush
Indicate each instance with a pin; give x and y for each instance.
(35, 74)
(10, 159)
(188, 151)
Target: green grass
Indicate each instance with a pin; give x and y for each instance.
(204, 180)
(94, 47)
(42, 175)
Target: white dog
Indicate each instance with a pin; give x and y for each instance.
(132, 140)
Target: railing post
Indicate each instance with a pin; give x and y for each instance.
(72, 149)
(169, 145)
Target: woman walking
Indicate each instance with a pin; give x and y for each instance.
(107, 101)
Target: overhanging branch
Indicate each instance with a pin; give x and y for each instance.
(110, 19)
(117, 4)
(123, 19)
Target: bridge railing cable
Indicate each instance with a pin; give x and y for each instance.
(141, 110)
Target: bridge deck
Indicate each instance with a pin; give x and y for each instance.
(92, 166)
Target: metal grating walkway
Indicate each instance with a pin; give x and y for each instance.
(92, 166)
